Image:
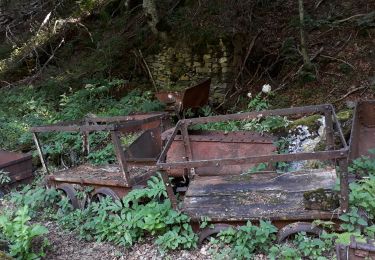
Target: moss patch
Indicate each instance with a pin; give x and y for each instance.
(344, 115)
(310, 121)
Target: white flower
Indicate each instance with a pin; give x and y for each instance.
(266, 88)
(170, 96)
(249, 95)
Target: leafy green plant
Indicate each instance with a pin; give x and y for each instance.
(258, 168)
(35, 199)
(142, 211)
(363, 165)
(258, 103)
(243, 242)
(314, 248)
(4, 178)
(362, 195)
(284, 252)
(353, 221)
(21, 236)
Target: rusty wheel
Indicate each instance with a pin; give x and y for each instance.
(104, 192)
(207, 232)
(297, 227)
(71, 193)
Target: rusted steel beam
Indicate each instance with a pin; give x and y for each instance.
(79, 126)
(117, 119)
(339, 129)
(323, 155)
(329, 129)
(168, 187)
(88, 181)
(40, 152)
(222, 136)
(71, 128)
(252, 115)
(120, 157)
(163, 154)
(187, 147)
(344, 185)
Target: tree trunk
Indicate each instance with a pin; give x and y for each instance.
(306, 58)
(149, 6)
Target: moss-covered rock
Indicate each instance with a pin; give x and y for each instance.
(310, 121)
(321, 199)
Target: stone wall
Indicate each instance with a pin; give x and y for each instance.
(181, 66)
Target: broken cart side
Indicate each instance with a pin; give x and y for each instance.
(136, 164)
(231, 198)
(15, 168)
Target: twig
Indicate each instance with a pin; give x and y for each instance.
(337, 59)
(349, 18)
(46, 63)
(147, 69)
(318, 4)
(249, 49)
(349, 93)
(6, 82)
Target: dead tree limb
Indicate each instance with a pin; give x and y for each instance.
(349, 93)
(337, 59)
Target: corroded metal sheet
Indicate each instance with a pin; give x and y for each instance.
(208, 145)
(362, 137)
(193, 97)
(18, 165)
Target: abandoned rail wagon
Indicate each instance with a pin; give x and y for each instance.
(135, 164)
(214, 166)
(221, 190)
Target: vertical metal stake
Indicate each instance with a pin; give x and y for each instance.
(344, 186)
(329, 129)
(40, 152)
(168, 187)
(120, 157)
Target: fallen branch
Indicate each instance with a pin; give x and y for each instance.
(318, 4)
(337, 59)
(349, 93)
(147, 68)
(349, 18)
(46, 63)
(249, 49)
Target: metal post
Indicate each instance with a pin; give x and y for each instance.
(344, 185)
(187, 146)
(85, 140)
(168, 187)
(40, 152)
(120, 157)
(329, 129)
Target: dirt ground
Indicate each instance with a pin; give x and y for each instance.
(66, 245)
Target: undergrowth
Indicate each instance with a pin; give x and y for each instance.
(24, 107)
(148, 212)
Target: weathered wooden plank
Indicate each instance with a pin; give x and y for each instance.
(289, 182)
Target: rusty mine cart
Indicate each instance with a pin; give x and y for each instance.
(210, 169)
(135, 164)
(221, 190)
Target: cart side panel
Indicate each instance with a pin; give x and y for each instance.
(220, 146)
(363, 130)
(19, 166)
